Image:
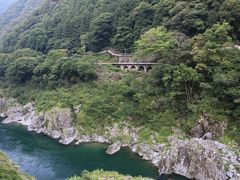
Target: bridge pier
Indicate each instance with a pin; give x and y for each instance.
(144, 67)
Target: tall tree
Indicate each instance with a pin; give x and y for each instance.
(101, 32)
(155, 45)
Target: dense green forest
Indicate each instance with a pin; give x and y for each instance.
(16, 13)
(95, 24)
(194, 40)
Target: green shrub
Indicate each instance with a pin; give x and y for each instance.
(9, 171)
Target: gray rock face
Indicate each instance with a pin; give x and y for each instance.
(197, 131)
(208, 136)
(112, 149)
(56, 134)
(194, 158)
(208, 128)
(56, 123)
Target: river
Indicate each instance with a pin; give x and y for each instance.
(45, 159)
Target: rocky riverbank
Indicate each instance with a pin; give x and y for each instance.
(194, 158)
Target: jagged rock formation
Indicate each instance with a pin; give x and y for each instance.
(193, 158)
(57, 123)
(114, 148)
(207, 128)
(199, 159)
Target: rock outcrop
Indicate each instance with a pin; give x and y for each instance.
(56, 123)
(200, 159)
(207, 128)
(115, 147)
(194, 158)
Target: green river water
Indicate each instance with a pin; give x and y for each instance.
(45, 159)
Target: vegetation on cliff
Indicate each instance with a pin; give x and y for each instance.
(100, 174)
(51, 61)
(9, 171)
(50, 58)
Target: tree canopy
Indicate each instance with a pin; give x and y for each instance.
(118, 24)
(155, 45)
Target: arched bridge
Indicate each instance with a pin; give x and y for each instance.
(145, 67)
(125, 62)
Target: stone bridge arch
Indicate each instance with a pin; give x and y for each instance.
(143, 67)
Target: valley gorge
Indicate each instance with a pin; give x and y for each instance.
(120, 89)
(192, 158)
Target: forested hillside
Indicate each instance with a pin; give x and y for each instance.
(98, 24)
(194, 40)
(17, 13)
(183, 110)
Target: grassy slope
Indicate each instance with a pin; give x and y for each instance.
(9, 171)
(117, 96)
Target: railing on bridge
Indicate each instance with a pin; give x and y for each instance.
(125, 62)
(117, 54)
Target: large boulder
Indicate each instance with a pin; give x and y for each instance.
(207, 128)
(112, 149)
